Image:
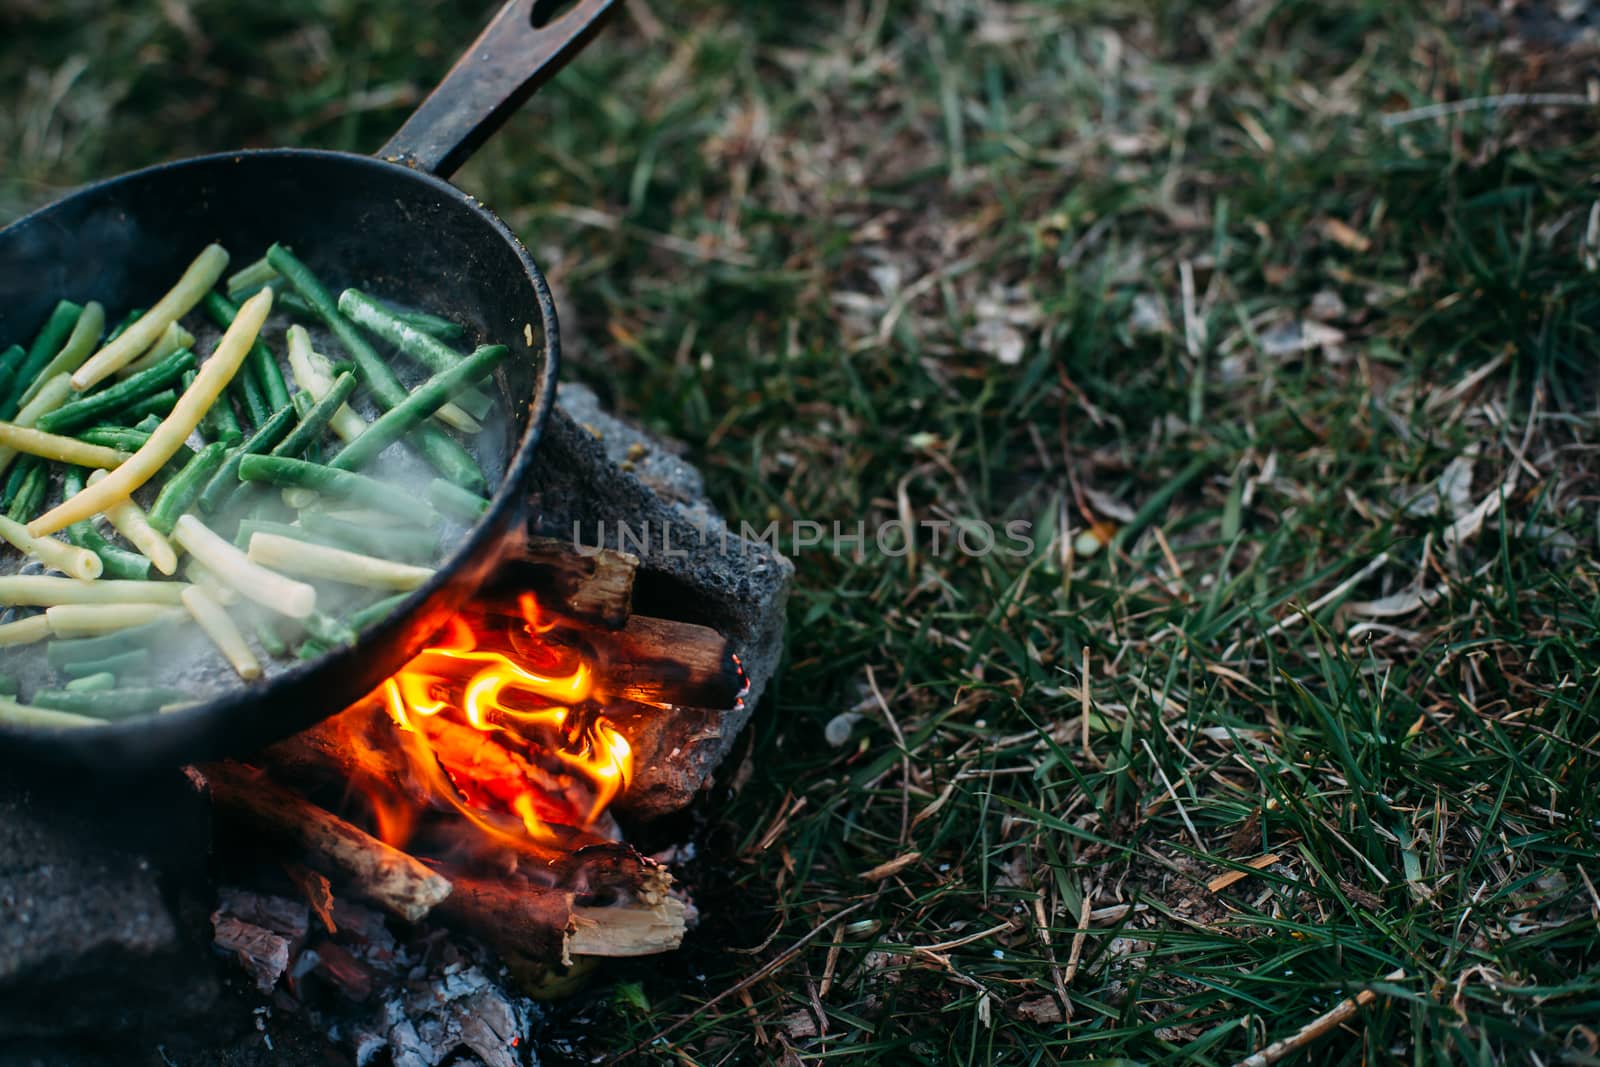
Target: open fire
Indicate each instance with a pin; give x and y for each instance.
(502, 721)
(476, 786)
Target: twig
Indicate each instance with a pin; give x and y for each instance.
(1316, 1027)
(1485, 103)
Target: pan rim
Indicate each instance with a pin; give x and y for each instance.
(183, 726)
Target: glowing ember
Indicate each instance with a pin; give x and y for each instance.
(498, 721)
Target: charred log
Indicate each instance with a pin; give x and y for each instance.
(658, 661)
(591, 584)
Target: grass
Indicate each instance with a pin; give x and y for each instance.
(1299, 404)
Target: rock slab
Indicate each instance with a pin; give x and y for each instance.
(606, 482)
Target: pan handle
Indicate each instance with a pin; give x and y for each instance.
(514, 55)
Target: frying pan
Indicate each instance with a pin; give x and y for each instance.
(390, 224)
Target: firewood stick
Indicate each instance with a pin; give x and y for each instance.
(527, 920)
(594, 585)
(384, 875)
(651, 660)
(659, 661)
(548, 924)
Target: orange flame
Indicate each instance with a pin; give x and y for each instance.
(500, 724)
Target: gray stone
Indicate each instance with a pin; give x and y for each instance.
(88, 940)
(597, 473)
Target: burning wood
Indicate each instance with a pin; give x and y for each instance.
(494, 754)
(510, 913)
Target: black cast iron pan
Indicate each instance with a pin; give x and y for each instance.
(390, 224)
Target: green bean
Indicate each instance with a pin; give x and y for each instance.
(181, 490)
(270, 641)
(261, 361)
(442, 328)
(303, 403)
(373, 612)
(427, 398)
(422, 346)
(219, 423)
(79, 346)
(316, 419)
(252, 402)
(120, 328)
(92, 683)
(326, 630)
(445, 454)
(239, 296)
(310, 650)
(118, 563)
(124, 437)
(434, 326)
(158, 404)
(110, 703)
(85, 649)
(298, 474)
(48, 342)
(293, 302)
(249, 527)
(384, 542)
(226, 479)
(132, 438)
(8, 685)
(30, 495)
(133, 661)
(252, 276)
(11, 361)
(136, 387)
(455, 501)
(14, 480)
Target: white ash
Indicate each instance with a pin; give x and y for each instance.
(432, 1001)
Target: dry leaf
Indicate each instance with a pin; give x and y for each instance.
(1343, 234)
(1040, 1010)
(891, 868)
(1223, 881)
